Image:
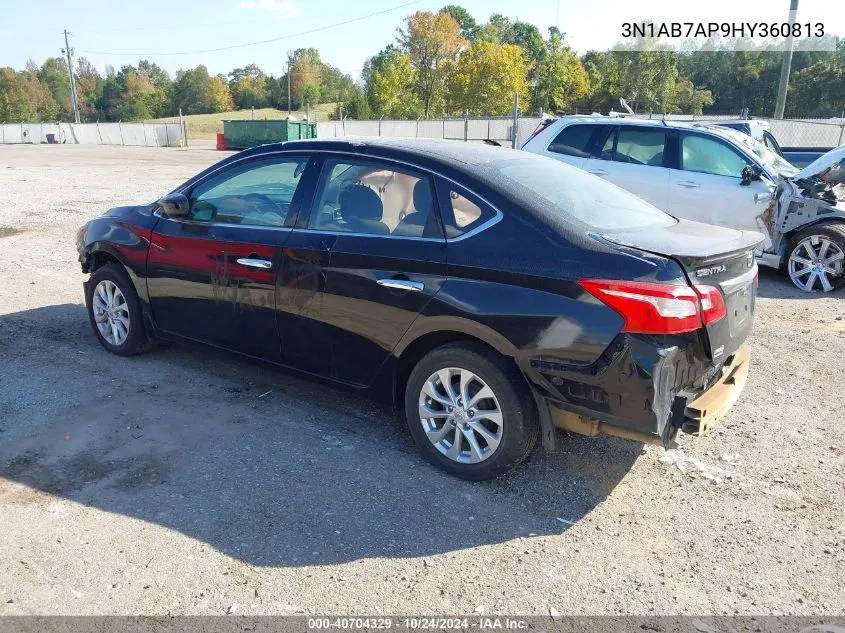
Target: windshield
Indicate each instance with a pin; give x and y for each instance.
(571, 191)
(769, 158)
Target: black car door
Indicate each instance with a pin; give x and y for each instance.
(371, 253)
(212, 276)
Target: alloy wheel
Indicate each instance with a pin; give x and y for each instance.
(461, 415)
(815, 262)
(111, 312)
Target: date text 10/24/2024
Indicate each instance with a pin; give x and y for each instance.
(492, 623)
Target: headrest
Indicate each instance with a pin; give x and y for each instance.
(360, 203)
(422, 196)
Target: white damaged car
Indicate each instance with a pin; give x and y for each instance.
(719, 176)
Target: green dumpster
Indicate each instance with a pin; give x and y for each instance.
(244, 133)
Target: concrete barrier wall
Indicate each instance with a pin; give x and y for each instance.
(499, 129)
(144, 134)
(788, 132)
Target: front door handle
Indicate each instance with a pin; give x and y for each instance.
(598, 172)
(689, 184)
(255, 263)
(402, 284)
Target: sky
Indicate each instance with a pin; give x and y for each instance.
(172, 33)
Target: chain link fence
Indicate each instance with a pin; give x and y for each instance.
(793, 132)
(144, 134)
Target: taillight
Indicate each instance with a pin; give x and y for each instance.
(653, 308)
(712, 304)
(543, 125)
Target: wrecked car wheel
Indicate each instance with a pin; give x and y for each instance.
(817, 258)
(469, 412)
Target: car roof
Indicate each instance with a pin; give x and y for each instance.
(445, 151)
(708, 127)
(611, 120)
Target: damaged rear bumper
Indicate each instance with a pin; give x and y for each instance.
(692, 412)
(711, 405)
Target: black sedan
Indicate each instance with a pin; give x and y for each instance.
(493, 294)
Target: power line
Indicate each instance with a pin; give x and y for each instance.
(234, 46)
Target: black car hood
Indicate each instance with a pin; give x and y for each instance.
(687, 239)
(131, 210)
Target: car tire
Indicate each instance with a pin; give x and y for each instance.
(114, 311)
(496, 433)
(806, 267)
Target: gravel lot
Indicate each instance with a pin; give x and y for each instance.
(165, 484)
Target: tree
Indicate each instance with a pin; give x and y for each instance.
(220, 97)
(130, 95)
(249, 87)
(485, 77)
(431, 41)
(334, 84)
(192, 91)
(305, 76)
(53, 74)
(24, 98)
(562, 80)
(89, 88)
(499, 29)
(689, 99)
(390, 86)
(353, 104)
(469, 27)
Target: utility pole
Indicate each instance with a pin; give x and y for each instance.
(67, 50)
(289, 87)
(780, 103)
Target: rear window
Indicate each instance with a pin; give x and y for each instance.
(573, 192)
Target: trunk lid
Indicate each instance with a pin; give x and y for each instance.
(711, 256)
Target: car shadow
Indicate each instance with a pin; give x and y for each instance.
(265, 467)
(775, 284)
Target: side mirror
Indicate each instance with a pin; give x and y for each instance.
(749, 174)
(175, 205)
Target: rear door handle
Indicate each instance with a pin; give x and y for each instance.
(598, 172)
(255, 263)
(689, 184)
(402, 284)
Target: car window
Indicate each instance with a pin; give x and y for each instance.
(258, 194)
(573, 140)
(710, 156)
(464, 211)
(640, 146)
(570, 191)
(374, 199)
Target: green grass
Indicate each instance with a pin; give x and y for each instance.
(206, 126)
